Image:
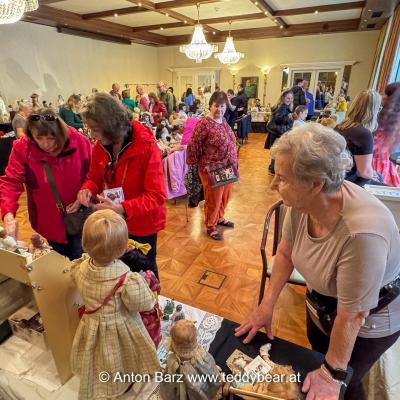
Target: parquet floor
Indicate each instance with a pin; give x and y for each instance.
(223, 277)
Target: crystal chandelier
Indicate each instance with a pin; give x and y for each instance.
(198, 49)
(11, 11)
(31, 5)
(229, 55)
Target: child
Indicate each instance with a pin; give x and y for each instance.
(299, 116)
(111, 336)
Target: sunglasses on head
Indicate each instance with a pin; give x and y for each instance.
(45, 117)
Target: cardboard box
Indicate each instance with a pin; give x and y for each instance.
(27, 325)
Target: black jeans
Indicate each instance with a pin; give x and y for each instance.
(72, 249)
(365, 353)
(152, 254)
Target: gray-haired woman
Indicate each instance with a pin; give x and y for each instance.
(346, 245)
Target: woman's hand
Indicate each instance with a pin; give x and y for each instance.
(73, 207)
(261, 317)
(320, 386)
(106, 204)
(11, 225)
(84, 197)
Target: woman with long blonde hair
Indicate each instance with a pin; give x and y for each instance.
(70, 112)
(357, 128)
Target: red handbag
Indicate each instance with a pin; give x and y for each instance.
(82, 309)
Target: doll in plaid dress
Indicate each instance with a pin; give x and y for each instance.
(111, 336)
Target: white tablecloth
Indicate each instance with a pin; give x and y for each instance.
(27, 372)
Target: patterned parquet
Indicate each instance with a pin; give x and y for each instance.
(185, 253)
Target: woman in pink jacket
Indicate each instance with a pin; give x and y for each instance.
(68, 155)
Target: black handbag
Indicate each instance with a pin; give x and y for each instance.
(220, 174)
(74, 221)
(322, 309)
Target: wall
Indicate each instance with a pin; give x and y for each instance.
(38, 59)
(352, 46)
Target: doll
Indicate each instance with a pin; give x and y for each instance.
(38, 247)
(111, 336)
(178, 314)
(146, 119)
(168, 309)
(7, 242)
(187, 359)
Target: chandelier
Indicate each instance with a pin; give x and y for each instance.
(12, 10)
(198, 49)
(229, 55)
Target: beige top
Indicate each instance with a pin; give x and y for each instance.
(352, 262)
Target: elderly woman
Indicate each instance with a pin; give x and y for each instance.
(357, 128)
(213, 143)
(346, 245)
(70, 112)
(20, 119)
(67, 153)
(157, 109)
(127, 163)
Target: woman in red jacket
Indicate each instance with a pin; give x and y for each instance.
(126, 163)
(68, 153)
(156, 108)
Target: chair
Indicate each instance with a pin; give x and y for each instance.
(277, 211)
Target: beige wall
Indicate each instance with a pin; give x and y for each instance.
(36, 58)
(354, 46)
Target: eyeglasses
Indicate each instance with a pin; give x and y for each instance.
(45, 117)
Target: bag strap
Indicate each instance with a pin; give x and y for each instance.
(109, 296)
(53, 185)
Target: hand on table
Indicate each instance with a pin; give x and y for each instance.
(11, 225)
(261, 317)
(320, 387)
(106, 204)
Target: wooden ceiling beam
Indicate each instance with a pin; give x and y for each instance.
(276, 32)
(45, 2)
(270, 12)
(75, 21)
(321, 8)
(208, 21)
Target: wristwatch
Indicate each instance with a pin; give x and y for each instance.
(336, 373)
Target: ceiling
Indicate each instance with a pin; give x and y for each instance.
(166, 22)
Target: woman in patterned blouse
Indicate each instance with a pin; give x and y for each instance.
(213, 142)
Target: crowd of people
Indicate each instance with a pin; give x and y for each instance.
(101, 159)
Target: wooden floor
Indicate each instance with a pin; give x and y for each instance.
(223, 277)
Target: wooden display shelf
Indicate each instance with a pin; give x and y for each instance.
(56, 297)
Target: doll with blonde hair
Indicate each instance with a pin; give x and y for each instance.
(111, 336)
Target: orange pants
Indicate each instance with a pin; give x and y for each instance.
(216, 200)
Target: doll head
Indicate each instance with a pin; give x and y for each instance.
(184, 340)
(37, 241)
(105, 236)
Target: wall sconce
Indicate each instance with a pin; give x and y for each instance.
(233, 72)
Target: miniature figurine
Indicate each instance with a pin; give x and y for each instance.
(168, 309)
(38, 247)
(188, 359)
(178, 314)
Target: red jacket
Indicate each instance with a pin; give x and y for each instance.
(139, 172)
(158, 108)
(25, 167)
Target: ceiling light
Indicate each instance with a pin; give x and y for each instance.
(229, 55)
(256, 2)
(198, 49)
(213, 32)
(185, 22)
(316, 12)
(266, 13)
(166, 14)
(11, 11)
(161, 28)
(140, 4)
(275, 20)
(116, 15)
(281, 26)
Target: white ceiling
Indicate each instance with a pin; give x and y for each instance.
(323, 16)
(90, 6)
(255, 23)
(140, 19)
(185, 30)
(287, 4)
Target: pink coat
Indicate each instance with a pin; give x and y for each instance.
(175, 169)
(25, 168)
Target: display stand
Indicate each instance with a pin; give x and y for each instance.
(56, 297)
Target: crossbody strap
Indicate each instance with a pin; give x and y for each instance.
(53, 186)
(109, 296)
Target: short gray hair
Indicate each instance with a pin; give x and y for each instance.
(318, 153)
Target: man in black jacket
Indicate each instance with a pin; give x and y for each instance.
(299, 97)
